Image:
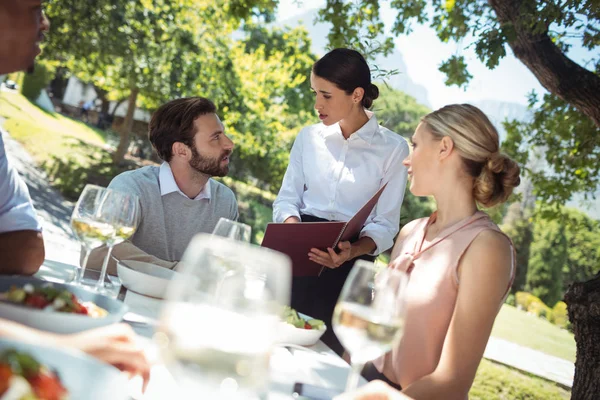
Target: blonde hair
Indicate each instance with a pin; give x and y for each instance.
(478, 144)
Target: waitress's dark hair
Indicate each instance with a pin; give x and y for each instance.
(347, 69)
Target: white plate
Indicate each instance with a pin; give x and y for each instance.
(83, 376)
(145, 278)
(55, 321)
(288, 333)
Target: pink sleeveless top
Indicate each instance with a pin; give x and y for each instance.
(431, 295)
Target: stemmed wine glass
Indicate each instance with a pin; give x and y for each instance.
(87, 225)
(369, 315)
(220, 320)
(121, 211)
(233, 230)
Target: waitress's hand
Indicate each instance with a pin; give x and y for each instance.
(330, 258)
(291, 220)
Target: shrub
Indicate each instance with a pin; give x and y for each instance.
(35, 82)
(510, 300)
(530, 303)
(560, 315)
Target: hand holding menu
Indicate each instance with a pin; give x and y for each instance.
(296, 240)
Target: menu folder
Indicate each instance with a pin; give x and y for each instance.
(296, 240)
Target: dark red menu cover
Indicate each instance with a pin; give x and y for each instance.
(296, 240)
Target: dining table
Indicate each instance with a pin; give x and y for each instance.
(316, 365)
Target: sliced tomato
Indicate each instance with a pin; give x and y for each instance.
(5, 375)
(307, 325)
(36, 300)
(47, 387)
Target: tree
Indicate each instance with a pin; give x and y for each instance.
(398, 111)
(548, 257)
(147, 51)
(519, 228)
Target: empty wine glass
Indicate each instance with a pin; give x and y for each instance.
(89, 229)
(233, 230)
(121, 211)
(369, 315)
(220, 321)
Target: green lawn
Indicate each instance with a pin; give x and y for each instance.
(498, 382)
(533, 332)
(44, 134)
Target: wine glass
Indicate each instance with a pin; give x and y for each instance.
(89, 229)
(233, 230)
(369, 316)
(121, 211)
(220, 321)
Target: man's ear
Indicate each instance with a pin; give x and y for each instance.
(180, 150)
(446, 147)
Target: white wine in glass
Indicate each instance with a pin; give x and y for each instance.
(121, 211)
(220, 321)
(89, 229)
(369, 316)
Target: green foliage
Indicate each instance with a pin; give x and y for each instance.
(519, 228)
(560, 317)
(583, 242)
(510, 300)
(398, 111)
(35, 82)
(548, 257)
(569, 144)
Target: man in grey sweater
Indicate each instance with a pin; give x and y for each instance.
(178, 199)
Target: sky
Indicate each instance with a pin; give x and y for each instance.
(423, 52)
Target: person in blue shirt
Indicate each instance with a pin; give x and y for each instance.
(22, 28)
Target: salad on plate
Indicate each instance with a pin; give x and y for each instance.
(22, 377)
(47, 297)
(292, 317)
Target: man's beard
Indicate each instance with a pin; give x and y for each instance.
(209, 166)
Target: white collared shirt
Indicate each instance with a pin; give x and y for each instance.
(332, 177)
(168, 185)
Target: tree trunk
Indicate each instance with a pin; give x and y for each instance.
(126, 127)
(555, 71)
(583, 305)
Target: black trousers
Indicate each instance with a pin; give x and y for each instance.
(317, 296)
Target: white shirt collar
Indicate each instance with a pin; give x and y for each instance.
(365, 132)
(167, 183)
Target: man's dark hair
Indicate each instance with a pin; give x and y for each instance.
(174, 122)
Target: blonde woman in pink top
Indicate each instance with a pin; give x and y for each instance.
(461, 265)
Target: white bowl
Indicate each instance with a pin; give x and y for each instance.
(55, 321)
(288, 333)
(145, 278)
(83, 376)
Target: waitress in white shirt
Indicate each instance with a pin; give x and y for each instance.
(335, 168)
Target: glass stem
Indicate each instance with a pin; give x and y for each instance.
(354, 376)
(100, 283)
(86, 255)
